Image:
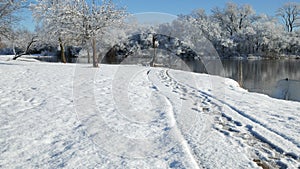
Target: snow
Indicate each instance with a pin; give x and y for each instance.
(287, 89)
(56, 115)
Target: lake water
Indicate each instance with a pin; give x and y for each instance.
(261, 75)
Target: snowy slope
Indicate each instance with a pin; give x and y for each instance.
(74, 116)
(287, 89)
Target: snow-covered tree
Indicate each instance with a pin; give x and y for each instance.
(183, 29)
(290, 15)
(211, 30)
(57, 19)
(208, 29)
(235, 22)
(74, 21)
(268, 36)
(8, 8)
(95, 19)
(23, 42)
(233, 18)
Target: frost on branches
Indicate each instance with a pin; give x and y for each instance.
(76, 22)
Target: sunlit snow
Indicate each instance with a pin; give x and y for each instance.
(57, 115)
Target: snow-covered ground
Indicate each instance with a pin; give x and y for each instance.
(287, 89)
(56, 115)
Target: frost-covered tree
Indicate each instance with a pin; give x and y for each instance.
(208, 28)
(8, 8)
(235, 22)
(290, 15)
(77, 21)
(268, 36)
(233, 18)
(94, 18)
(183, 29)
(23, 41)
(57, 19)
(211, 30)
(290, 43)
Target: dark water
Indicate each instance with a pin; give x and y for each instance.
(261, 75)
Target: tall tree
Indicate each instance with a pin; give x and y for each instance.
(57, 19)
(290, 14)
(94, 19)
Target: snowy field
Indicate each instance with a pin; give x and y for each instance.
(55, 115)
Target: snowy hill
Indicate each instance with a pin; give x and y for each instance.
(73, 116)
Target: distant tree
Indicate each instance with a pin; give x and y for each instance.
(207, 27)
(268, 37)
(8, 8)
(211, 30)
(290, 15)
(233, 17)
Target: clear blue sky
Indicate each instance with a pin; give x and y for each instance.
(176, 7)
(186, 6)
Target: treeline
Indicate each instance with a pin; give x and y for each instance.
(237, 31)
(95, 27)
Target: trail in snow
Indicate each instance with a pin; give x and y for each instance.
(203, 139)
(140, 122)
(176, 129)
(271, 144)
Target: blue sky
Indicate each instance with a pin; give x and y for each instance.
(176, 7)
(186, 6)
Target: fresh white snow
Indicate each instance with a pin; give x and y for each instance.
(55, 115)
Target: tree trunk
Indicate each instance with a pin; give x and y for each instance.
(240, 73)
(88, 55)
(152, 63)
(62, 51)
(95, 60)
(27, 49)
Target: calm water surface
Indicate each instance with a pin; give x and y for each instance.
(261, 75)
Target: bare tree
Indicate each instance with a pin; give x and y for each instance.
(290, 14)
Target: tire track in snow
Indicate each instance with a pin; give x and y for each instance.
(256, 127)
(173, 122)
(181, 139)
